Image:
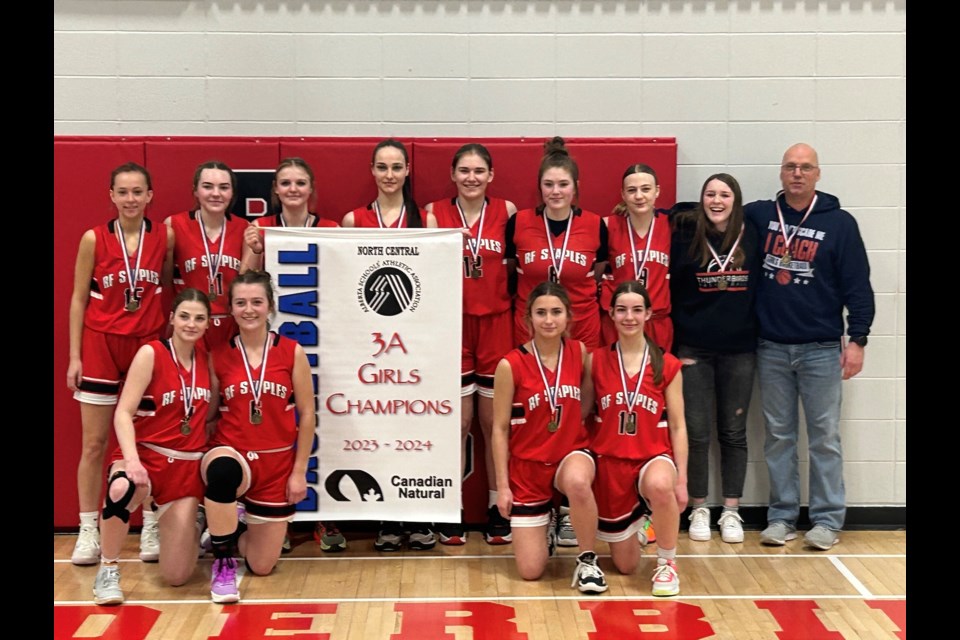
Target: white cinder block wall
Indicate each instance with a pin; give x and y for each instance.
(735, 81)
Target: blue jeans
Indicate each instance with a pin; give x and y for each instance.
(716, 390)
(811, 372)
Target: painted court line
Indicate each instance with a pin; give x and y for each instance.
(852, 579)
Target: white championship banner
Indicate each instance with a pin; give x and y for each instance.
(379, 315)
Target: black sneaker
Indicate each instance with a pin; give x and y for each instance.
(390, 537)
(421, 537)
(452, 533)
(498, 528)
(588, 577)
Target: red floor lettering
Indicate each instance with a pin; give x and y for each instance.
(616, 619)
(896, 610)
(797, 619)
(249, 621)
(488, 620)
(131, 622)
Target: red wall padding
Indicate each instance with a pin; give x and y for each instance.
(82, 167)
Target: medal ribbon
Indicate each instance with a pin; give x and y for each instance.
(558, 267)
(633, 248)
(187, 391)
(213, 270)
(551, 394)
(783, 225)
(403, 212)
(256, 388)
(131, 275)
(723, 265)
(631, 399)
(306, 222)
(473, 243)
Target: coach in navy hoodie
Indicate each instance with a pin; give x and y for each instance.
(814, 266)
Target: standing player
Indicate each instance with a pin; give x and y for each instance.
(540, 391)
(210, 250)
(640, 250)
(559, 242)
(636, 458)
(394, 208)
(293, 194)
(115, 308)
(715, 270)
(160, 425)
(258, 452)
(487, 316)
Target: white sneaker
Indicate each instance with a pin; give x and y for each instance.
(150, 541)
(699, 524)
(106, 586)
(87, 549)
(731, 527)
(666, 580)
(587, 576)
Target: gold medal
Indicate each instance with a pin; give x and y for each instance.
(212, 294)
(786, 259)
(552, 426)
(631, 427)
(185, 427)
(256, 416)
(132, 305)
(722, 282)
(475, 273)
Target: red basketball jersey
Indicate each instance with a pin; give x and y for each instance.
(110, 292)
(654, 273)
(278, 426)
(367, 217)
(530, 437)
(610, 435)
(160, 414)
(191, 264)
(576, 272)
(276, 220)
(486, 294)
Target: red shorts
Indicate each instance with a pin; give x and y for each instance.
(266, 494)
(617, 491)
(486, 339)
(659, 329)
(171, 478)
(220, 330)
(532, 484)
(106, 358)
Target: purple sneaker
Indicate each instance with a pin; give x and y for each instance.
(223, 581)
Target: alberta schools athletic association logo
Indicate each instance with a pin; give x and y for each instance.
(389, 287)
(365, 487)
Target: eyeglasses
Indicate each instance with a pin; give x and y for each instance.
(790, 167)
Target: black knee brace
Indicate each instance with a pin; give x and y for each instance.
(224, 476)
(119, 508)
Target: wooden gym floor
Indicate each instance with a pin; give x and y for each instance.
(743, 591)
